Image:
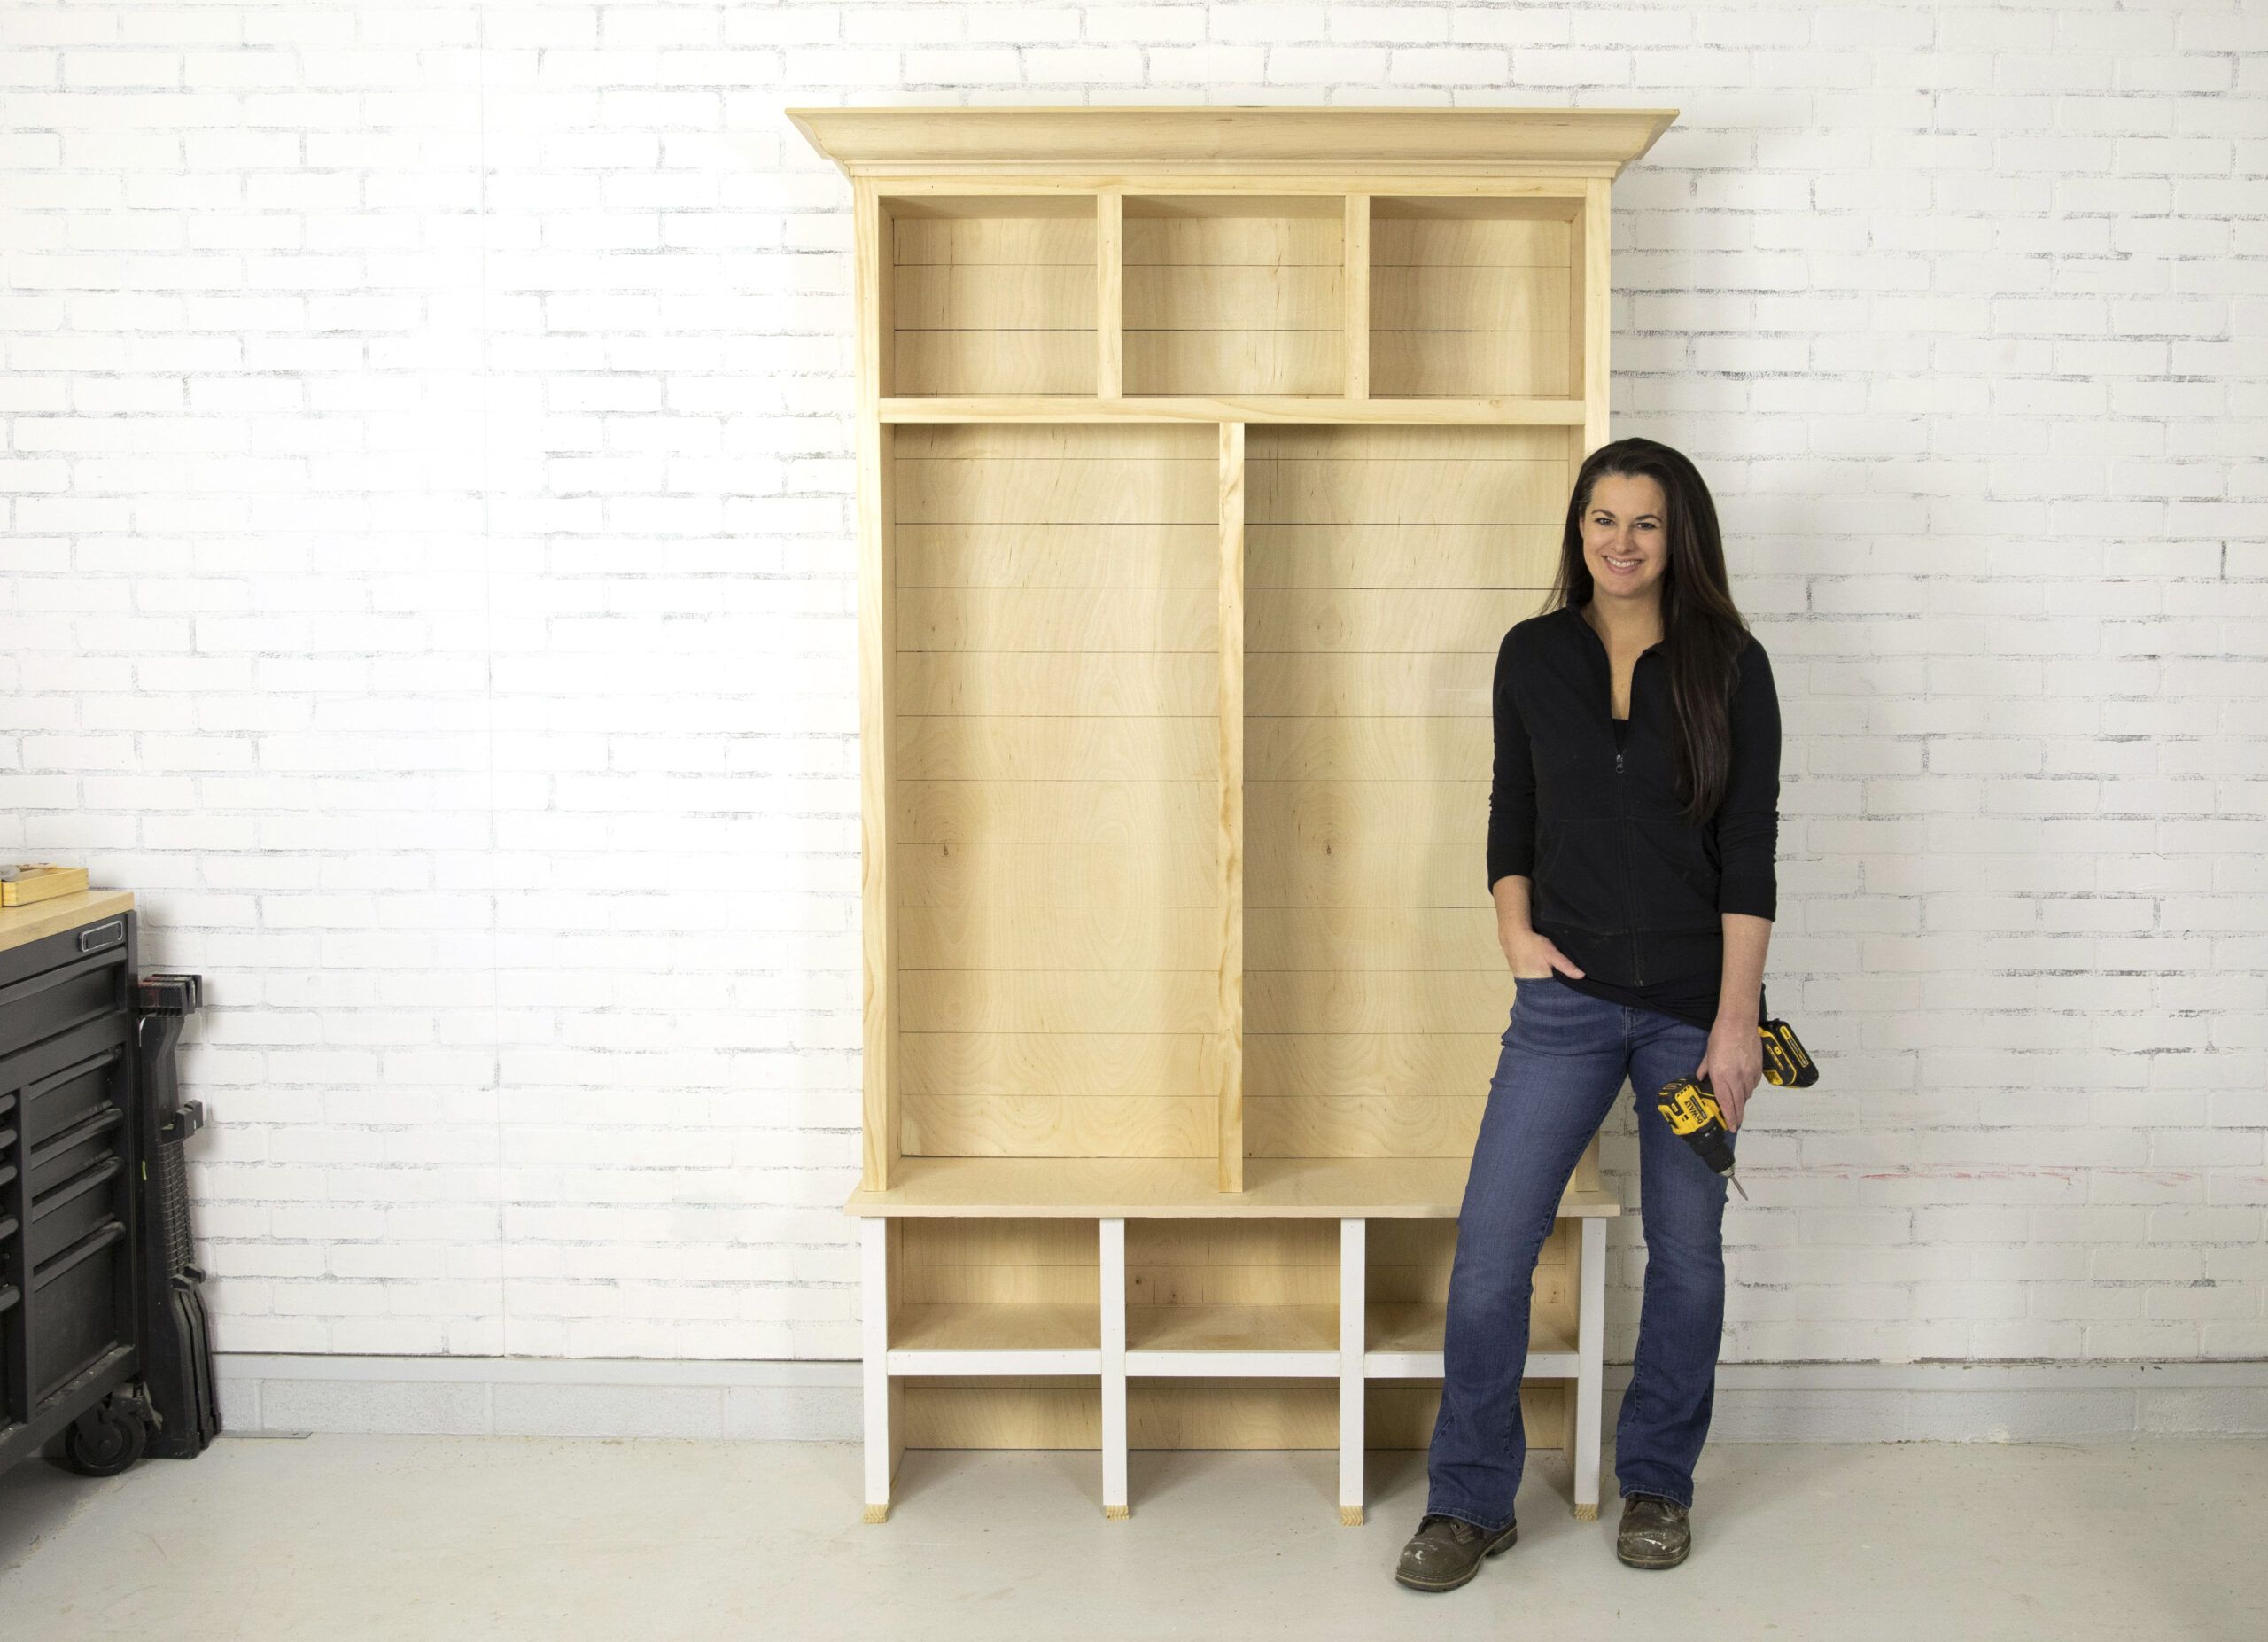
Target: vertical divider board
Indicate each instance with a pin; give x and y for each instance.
(1229, 1086)
(1110, 287)
(1357, 281)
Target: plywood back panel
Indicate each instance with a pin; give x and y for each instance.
(1409, 1263)
(1239, 1262)
(1055, 826)
(1385, 565)
(1470, 297)
(1234, 294)
(992, 295)
(996, 1262)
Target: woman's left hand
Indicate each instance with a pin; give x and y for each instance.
(1734, 1065)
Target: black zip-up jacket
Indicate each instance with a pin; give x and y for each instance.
(1623, 884)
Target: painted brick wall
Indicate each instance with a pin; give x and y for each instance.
(430, 586)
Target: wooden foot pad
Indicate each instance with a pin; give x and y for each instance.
(878, 1513)
(1350, 1516)
(1587, 1513)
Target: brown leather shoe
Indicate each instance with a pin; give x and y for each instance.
(1446, 1550)
(1655, 1533)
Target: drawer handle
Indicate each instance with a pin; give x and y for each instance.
(93, 1243)
(102, 936)
(8, 1297)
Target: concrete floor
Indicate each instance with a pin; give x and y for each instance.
(341, 1537)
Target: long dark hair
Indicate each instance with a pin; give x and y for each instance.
(1702, 634)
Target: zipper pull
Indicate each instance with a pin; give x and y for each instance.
(1618, 761)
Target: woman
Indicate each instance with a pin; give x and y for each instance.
(1632, 824)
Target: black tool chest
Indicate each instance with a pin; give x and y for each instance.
(81, 1267)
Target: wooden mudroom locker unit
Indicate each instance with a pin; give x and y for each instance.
(1205, 456)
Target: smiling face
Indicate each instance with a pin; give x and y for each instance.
(1626, 536)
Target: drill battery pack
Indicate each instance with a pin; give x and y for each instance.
(1785, 1062)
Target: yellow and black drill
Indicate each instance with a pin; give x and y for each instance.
(1693, 1109)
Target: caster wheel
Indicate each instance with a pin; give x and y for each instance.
(106, 1440)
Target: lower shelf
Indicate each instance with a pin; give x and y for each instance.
(994, 1340)
(1227, 1329)
(1401, 1341)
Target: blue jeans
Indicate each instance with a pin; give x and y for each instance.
(1566, 1055)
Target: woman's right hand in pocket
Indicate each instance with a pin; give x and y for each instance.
(1534, 957)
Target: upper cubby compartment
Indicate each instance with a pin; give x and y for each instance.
(1235, 295)
(1476, 296)
(989, 294)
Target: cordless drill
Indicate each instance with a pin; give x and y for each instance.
(1693, 1113)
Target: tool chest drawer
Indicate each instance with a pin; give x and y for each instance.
(74, 1209)
(66, 1081)
(64, 982)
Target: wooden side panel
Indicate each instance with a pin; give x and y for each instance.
(993, 304)
(878, 685)
(1465, 304)
(1375, 992)
(1249, 303)
(1590, 300)
(1057, 837)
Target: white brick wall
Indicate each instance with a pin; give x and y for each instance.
(430, 586)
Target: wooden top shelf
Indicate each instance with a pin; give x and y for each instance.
(1175, 1188)
(1507, 410)
(1538, 141)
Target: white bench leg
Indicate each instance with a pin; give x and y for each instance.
(1590, 1376)
(1113, 1234)
(874, 1334)
(1354, 1339)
